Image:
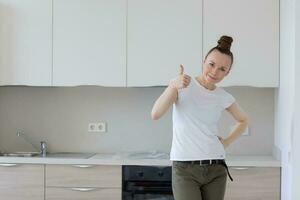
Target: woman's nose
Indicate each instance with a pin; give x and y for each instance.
(214, 71)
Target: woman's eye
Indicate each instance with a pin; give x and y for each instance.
(211, 64)
(223, 70)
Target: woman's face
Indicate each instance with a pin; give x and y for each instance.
(216, 66)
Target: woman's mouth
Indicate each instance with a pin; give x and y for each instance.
(211, 77)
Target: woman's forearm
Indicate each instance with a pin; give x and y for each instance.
(237, 132)
(162, 104)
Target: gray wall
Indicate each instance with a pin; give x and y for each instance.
(60, 116)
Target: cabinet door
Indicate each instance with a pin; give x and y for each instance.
(162, 34)
(26, 46)
(89, 42)
(81, 193)
(256, 183)
(21, 182)
(254, 26)
(84, 176)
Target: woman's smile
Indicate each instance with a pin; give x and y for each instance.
(212, 77)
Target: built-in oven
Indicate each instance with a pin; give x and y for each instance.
(147, 182)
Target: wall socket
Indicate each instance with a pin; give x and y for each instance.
(98, 127)
(245, 133)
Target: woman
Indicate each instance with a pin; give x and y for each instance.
(199, 171)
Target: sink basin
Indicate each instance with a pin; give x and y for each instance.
(69, 155)
(20, 154)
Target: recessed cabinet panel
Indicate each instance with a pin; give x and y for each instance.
(162, 34)
(81, 193)
(21, 182)
(89, 42)
(26, 42)
(91, 176)
(254, 26)
(254, 183)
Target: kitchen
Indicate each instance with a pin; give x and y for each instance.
(65, 85)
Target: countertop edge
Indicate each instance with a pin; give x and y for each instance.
(232, 161)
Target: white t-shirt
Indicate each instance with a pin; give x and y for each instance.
(195, 117)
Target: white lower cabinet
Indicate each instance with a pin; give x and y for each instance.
(88, 182)
(21, 181)
(253, 183)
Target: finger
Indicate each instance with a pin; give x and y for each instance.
(186, 77)
(186, 80)
(181, 69)
(186, 83)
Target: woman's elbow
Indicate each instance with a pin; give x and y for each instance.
(245, 121)
(155, 115)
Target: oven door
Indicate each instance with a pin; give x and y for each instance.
(148, 197)
(147, 191)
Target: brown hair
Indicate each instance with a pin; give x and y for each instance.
(224, 44)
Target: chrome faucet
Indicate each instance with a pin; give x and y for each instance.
(43, 147)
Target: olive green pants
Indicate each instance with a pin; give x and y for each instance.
(198, 182)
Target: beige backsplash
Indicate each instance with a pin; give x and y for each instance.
(60, 116)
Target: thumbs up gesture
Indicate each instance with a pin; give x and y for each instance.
(182, 80)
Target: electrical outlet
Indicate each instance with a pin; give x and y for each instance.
(245, 133)
(97, 127)
(101, 126)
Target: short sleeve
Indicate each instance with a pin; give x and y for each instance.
(228, 100)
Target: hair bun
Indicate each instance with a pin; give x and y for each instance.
(225, 42)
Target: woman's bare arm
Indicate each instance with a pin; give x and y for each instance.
(240, 116)
(170, 95)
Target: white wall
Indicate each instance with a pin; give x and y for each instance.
(287, 134)
(296, 125)
(285, 93)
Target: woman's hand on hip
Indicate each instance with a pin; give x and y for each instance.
(181, 81)
(224, 142)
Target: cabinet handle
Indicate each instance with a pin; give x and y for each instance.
(8, 164)
(80, 189)
(239, 168)
(83, 166)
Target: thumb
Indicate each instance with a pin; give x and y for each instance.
(181, 69)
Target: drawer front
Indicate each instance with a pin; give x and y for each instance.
(84, 176)
(21, 182)
(83, 193)
(255, 183)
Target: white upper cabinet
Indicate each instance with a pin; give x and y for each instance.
(25, 42)
(89, 42)
(162, 34)
(254, 26)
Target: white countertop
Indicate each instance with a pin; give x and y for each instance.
(142, 158)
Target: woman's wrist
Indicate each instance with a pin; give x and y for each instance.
(226, 142)
(172, 84)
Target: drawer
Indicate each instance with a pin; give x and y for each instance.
(84, 176)
(53, 193)
(21, 182)
(254, 183)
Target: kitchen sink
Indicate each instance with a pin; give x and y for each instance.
(20, 154)
(49, 155)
